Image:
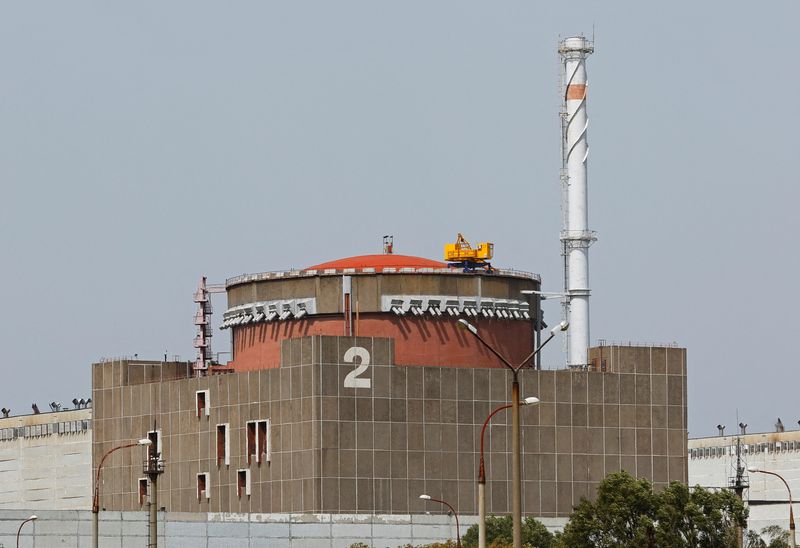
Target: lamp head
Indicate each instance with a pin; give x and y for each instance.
(563, 326)
(145, 441)
(530, 400)
(466, 325)
(425, 497)
(33, 517)
(753, 469)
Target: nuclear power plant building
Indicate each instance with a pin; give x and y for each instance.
(353, 387)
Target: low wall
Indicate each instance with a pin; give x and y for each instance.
(73, 529)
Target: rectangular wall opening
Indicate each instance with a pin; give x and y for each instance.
(142, 491)
(257, 441)
(154, 449)
(251, 442)
(263, 441)
(202, 402)
(243, 482)
(223, 445)
(203, 487)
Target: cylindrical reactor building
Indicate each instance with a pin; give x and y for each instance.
(415, 301)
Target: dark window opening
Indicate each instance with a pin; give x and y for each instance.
(201, 487)
(154, 449)
(243, 483)
(142, 491)
(262, 440)
(201, 404)
(222, 444)
(251, 442)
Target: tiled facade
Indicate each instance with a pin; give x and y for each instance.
(712, 463)
(45, 460)
(346, 441)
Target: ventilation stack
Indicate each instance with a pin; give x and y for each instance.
(575, 235)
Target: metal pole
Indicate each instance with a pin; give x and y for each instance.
(482, 513)
(453, 510)
(20, 527)
(482, 482)
(153, 511)
(482, 475)
(95, 528)
(516, 475)
(516, 501)
(96, 497)
(739, 490)
(792, 541)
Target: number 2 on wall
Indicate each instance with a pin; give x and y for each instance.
(352, 380)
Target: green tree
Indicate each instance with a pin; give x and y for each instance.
(621, 516)
(628, 514)
(499, 533)
(534, 533)
(777, 537)
(446, 544)
(698, 517)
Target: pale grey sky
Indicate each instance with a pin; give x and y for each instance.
(145, 144)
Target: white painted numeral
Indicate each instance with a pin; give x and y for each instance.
(352, 380)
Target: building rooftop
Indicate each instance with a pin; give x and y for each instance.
(379, 262)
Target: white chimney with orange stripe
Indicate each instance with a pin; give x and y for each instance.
(575, 235)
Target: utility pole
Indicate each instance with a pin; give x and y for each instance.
(739, 483)
(153, 467)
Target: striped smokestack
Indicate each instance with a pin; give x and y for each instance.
(575, 235)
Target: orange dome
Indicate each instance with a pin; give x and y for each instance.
(379, 262)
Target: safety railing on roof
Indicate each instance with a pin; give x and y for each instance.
(244, 278)
(604, 342)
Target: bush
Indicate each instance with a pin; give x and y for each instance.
(627, 513)
(445, 544)
(778, 538)
(499, 533)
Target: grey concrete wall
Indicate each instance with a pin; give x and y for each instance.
(46, 460)
(374, 449)
(712, 461)
(327, 289)
(73, 529)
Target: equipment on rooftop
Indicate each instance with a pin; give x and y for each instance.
(462, 255)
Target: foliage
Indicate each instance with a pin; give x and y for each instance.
(778, 538)
(445, 544)
(499, 533)
(698, 517)
(621, 516)
(535, 534)
(628, 514)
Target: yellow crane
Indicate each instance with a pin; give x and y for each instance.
(462, 255)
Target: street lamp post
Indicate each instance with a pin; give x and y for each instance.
(753, 469)
(32, 518)
(96, 497)
(482, 473)
(516, 476)
(458, 532)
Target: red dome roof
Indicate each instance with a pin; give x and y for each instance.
(379, 262)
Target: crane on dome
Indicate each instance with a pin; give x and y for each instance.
(462, 255)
